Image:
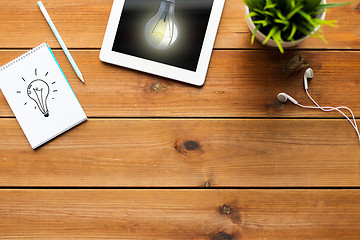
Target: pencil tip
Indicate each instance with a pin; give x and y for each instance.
(82, 78)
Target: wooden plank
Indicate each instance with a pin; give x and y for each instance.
(185, 153)
(180, 214)
(238, 85)
(82, 24)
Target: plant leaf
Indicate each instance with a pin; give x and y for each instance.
(262, 22)
(254, 33)
(294, 11)
(307, 17)
(330, 5)
(285, 22)
(278, 40)
(293, 31)
(272, 31)
(311, 5)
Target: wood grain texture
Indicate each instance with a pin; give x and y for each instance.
(82, 24)
(238, 84)
(180, 214)
(185, 153)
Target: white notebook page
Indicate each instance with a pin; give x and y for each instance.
(40, 96)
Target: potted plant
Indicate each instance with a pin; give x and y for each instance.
(286, 23)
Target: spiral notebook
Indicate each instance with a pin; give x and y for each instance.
(40, 96)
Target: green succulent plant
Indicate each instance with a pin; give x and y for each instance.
(288, 20)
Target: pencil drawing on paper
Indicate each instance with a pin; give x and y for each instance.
(38, 90)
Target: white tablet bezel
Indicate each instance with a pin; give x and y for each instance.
(193, 77)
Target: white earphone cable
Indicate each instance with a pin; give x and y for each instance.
(283, 97)
(328, 109)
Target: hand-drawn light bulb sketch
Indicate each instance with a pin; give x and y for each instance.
(38, 90)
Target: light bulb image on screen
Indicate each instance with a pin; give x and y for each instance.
(162, 30)
(38, 90)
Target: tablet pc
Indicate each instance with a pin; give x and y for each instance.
(169, 38)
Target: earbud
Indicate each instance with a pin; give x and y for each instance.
(309, 73)
(283, 97)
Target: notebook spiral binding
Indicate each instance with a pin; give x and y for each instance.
(18, 59)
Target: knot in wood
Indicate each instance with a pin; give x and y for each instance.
(232, 213)
(190, 149)
(294, 64)
(226, 210)
(157, 87)
(191, 145)
(222, 236)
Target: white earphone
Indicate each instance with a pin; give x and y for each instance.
(283, 97)
(309, 73)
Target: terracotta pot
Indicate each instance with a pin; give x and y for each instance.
(259, 36)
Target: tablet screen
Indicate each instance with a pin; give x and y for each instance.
(166, 31)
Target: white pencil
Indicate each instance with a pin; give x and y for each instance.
(58, 37)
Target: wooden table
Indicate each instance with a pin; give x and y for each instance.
(159, 159)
